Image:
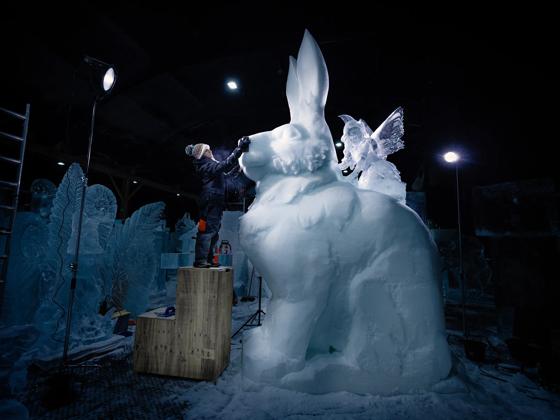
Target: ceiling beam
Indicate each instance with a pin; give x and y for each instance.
(110, 171)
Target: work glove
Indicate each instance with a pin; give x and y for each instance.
(243, 144)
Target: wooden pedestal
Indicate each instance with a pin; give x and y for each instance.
(195, 343)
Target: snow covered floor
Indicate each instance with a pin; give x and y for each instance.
(112, 390)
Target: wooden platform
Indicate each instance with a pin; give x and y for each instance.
(195, 343)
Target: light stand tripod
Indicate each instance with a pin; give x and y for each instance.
(102, 77)
(256, 316)
(74, 264)
(61, 389)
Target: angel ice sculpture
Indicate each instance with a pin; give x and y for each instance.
(100, 209)
(366, 151)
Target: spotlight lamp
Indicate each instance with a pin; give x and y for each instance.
(102, 75)
(451, 157)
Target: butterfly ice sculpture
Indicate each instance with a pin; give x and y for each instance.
(366, 151)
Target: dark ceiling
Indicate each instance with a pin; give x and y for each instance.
(472, 77)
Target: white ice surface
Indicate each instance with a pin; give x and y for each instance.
(230, 232)
(470, 392)
(354, 275)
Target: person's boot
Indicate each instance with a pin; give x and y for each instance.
(212, 263)
(201, 264)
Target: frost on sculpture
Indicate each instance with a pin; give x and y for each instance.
(99, 215)
(117, 262)
(230, 232)
(355, 301)
(55, 276)
(366, 151)
(100, 209)
(27, 256)
(132, 262)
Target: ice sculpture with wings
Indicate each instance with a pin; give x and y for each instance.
(366, 151)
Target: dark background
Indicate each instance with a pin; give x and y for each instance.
(477, 79)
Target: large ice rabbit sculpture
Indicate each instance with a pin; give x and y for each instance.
(355, 303)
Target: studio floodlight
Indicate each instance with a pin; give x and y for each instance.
(451, 157)
(102, 76)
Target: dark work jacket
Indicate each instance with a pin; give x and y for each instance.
(212, 176)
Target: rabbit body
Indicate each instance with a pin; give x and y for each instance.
(355, 303)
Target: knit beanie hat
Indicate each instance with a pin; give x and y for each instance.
(196, 150)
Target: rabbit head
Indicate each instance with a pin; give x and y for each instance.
(304, 145)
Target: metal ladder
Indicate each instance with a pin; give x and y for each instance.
(13, 187)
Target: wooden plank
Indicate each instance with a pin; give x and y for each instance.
(205, 297)
(195, 343)
(153, 343)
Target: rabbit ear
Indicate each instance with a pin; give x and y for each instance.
(346, 118)
(308, 80)
(292, 89)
